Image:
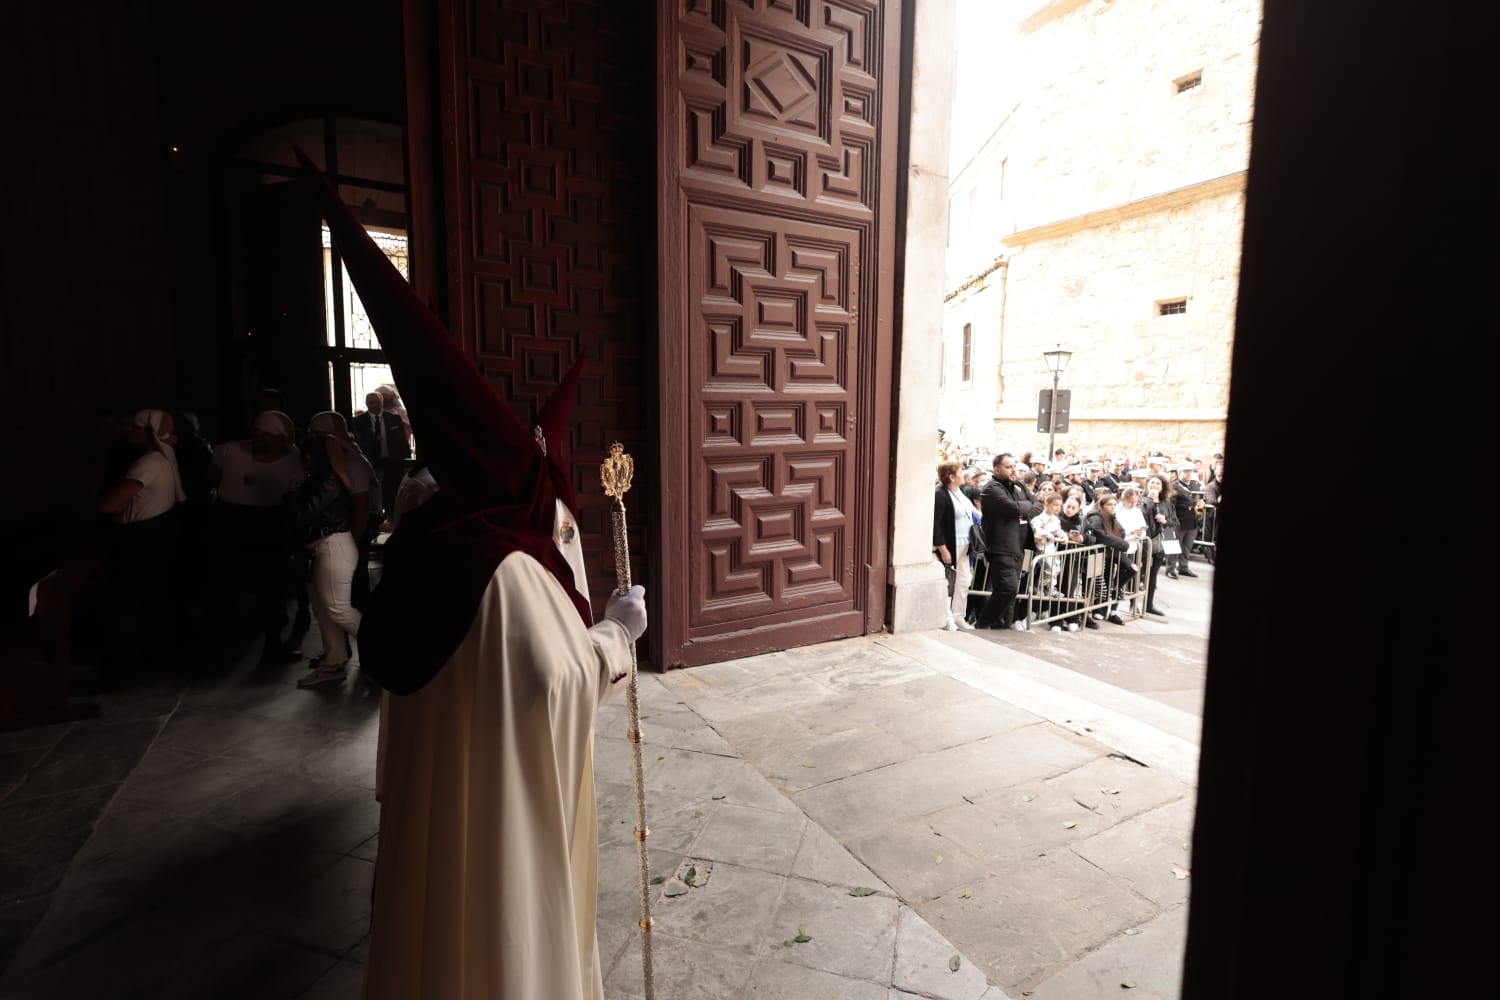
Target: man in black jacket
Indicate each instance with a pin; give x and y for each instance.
(1007, 521)
(382, 438)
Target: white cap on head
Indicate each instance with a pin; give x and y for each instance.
(1187, 467)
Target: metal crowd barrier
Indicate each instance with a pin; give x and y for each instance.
(1208, 531)
(1074, 583)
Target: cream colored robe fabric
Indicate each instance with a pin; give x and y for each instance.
(486, 880)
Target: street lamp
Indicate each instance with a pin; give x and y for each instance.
(1057, 360)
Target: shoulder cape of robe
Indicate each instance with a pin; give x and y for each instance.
(486, 878)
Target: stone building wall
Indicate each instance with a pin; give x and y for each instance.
(1102, 192)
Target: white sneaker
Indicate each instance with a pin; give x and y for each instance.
(1072, 626)
(950, 625)
(1019, 626)
(1055, 628)
(965, 625)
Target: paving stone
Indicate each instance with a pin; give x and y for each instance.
(612, 760)
(905, 855)
(188, 784)
(1151, 958)
(884, 708)
(828, 758)
(18, 919)
(1036, 916)
(36, 736)
(849, 807)
(683, 969)
(704, 740)
(1138, 788)
(91, 754)
(756, 735)
(774, 695)
(204, 731)
(14, 765)
(820, 858)
(349, 760)
(99, 941)
(40, 836)
(852, 936)
(874, 668)
(618, 905)
(771, 979)
(733, 910)
(752, 838)
(1142, 851)
(946, 726)
(697, 775)
(329, 913)
(1002, 827)
(273, 800)
(247, 966)
(923, 959)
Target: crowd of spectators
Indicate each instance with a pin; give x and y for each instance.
(1146, 511)
(199, 528)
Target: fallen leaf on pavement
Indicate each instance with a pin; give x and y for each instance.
(1180, 872)
(953, 963)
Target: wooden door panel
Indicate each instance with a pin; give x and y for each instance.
(778, 149)
(546, 154)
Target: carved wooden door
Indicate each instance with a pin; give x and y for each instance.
(777, 123)
(542, 145)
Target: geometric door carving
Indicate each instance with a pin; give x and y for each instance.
(547, 174)
(777, 127)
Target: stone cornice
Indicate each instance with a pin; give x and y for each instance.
(1178, 198)
(1050, 11)
(976, 281)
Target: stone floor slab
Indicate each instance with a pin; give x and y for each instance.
(771, 979)
(1149, 957)
(820, 858)
(916, 862)
(852, 936)
(924, 963)
(732, 911)
(683, 970)
(1147, 852)
(752, 838)
(1035, 917)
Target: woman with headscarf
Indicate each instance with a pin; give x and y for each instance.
(142, 537)
(253, 479)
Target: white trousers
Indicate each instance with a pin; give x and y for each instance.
(963, 576)
(334, 560)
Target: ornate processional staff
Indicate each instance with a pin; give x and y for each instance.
(615, 474)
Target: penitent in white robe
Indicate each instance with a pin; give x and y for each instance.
(487, 873)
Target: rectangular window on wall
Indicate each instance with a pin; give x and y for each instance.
(968, 352)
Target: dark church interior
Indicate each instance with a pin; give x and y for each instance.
(148, 215)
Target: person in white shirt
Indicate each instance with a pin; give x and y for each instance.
(142, 539)
(953, 514)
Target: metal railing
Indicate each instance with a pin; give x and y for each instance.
(1075, 583)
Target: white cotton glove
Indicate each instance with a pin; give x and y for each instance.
(628, 611)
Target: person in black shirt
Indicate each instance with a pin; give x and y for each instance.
(1007, 524)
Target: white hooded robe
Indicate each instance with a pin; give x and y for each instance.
(487, 872)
